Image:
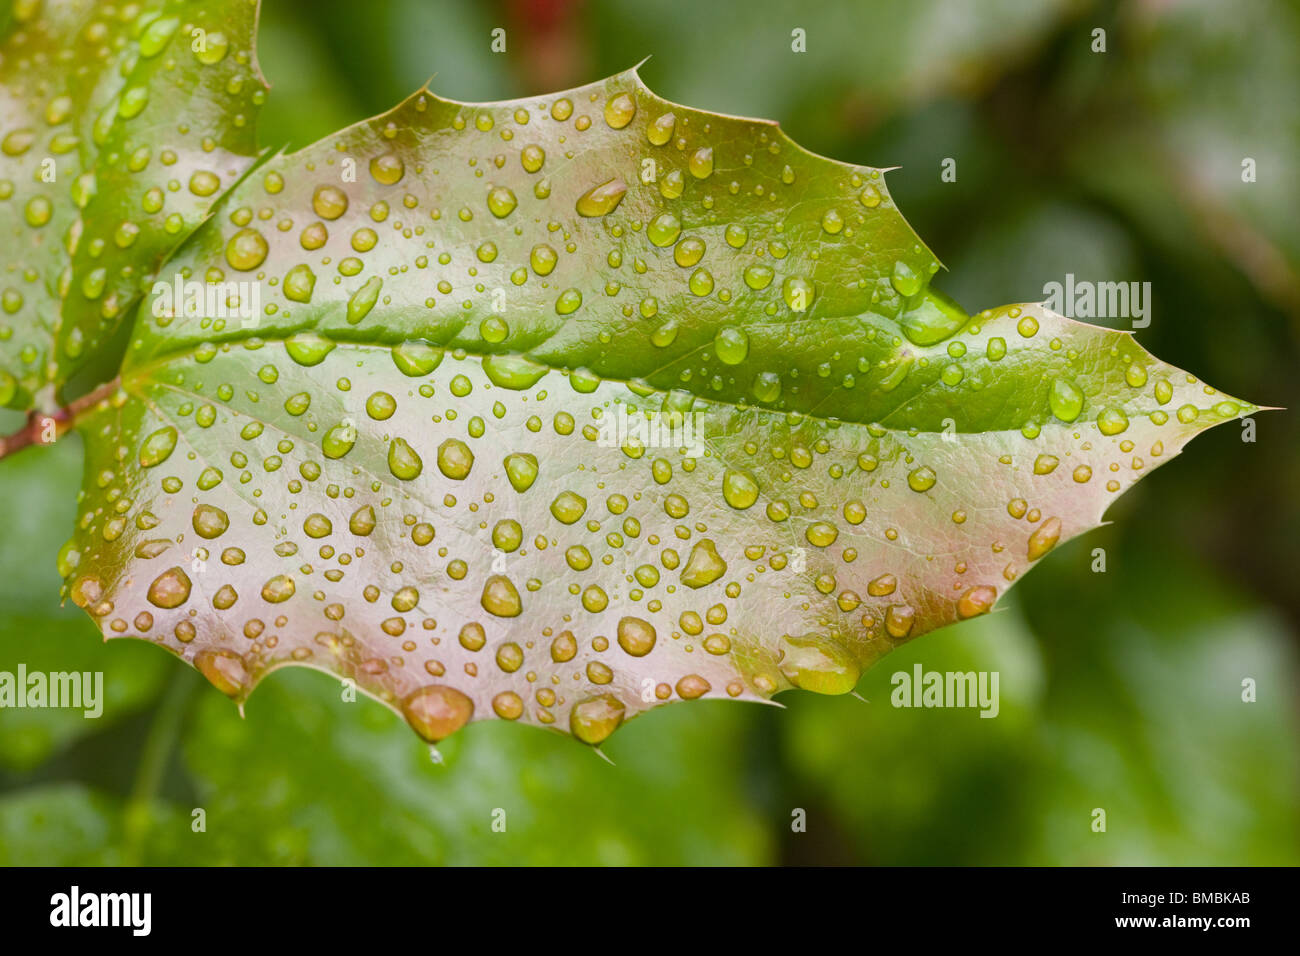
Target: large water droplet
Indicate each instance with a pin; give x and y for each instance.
(936, 318)
(404, 461)
(437, 711)
(1065, 400)
(158, 447)
(521, 470)
(815, 663)
(364, 299)
(636, 637)
(455, 460)
(594, 719)
(603, 199)
(308, 348)
(500, 597)
(704, 566)
(170, 589)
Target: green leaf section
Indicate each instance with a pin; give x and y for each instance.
(425, 463)
(121, 125)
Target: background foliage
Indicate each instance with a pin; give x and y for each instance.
(1119, 690)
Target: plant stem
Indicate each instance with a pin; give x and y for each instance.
(42, 429)
(159, 745)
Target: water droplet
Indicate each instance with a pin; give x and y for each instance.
(1112, 421)
(224, 670)
(701, 162)
(603, 199)
(936, 318)
(904, 280)
(299, 283)
(569, 301)
(594, 719)
(758, 277)
(899, 620)
(329, 202)
(157, 35)
(317, 526)
(308, 348)
(704, 566)
(664, 230)
(921, 479)
(500, 597)
(665, 334)
(387, 169)
(975, 601)
(170, 589)
(1044, 538)
(364, 299)
(739, 489)
(404, 462)
(521, 470)
(1065, 400)
(532, 158)
(513, 371)
(731, 346)
(543, 259)
(661, 130)
(884, 585)
(134, 100)
(213, 50)
(689, 251)
(767, 386)
(278, 589)
(362, 521)
(636, 637)
(204, 183)
(501, 202)
(568, 507)
(210, 521)
(620, 110)
(416, 358)
(455, 460)
(158, 447)
(338, 441)
(246, 250)
(798, 293)
(437, 711)
(818, 664)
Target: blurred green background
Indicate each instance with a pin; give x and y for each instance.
(1120, 690)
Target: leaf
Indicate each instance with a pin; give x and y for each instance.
(406, 470)
(121, 126)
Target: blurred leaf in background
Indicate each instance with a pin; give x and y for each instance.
(1120, 690)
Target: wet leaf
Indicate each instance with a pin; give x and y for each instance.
(424, 463)
(122, 125)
